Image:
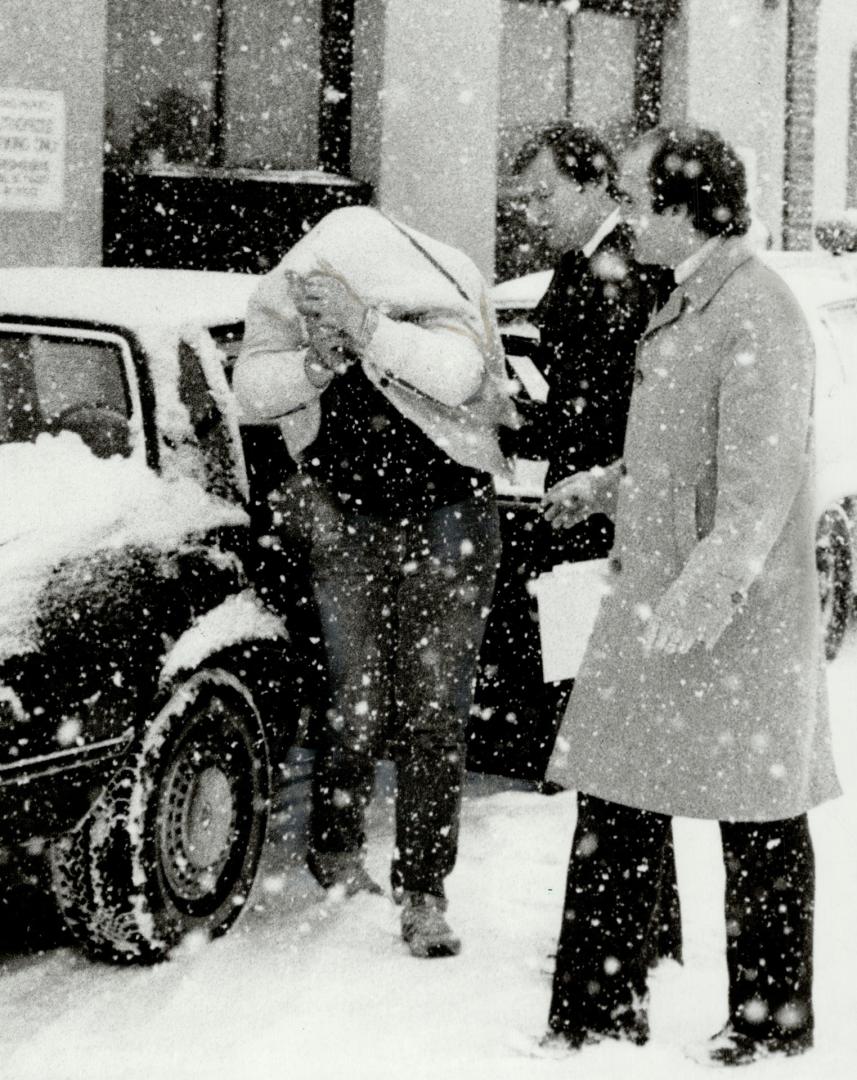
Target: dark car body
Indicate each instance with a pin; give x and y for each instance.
(145, 688)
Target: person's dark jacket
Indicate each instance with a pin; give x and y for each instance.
(590, 319)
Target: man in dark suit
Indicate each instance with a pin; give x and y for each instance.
(590, 320)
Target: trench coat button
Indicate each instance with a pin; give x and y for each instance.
(737, 598)
(638, 376)
(616, 564)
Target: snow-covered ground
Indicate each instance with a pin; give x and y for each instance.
(310, 988)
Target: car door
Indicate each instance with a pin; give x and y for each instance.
(71, 618)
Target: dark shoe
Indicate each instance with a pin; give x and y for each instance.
(556, 1045)
(344, 869)
(577, 1038)
(632, 1026)
(424, 928)
(731, 1047)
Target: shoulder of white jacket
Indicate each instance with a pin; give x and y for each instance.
(345, 221)
(447, 254)
(352, 222)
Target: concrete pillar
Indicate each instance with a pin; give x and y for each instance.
(725, 68)
(425, 115)
(57, 46)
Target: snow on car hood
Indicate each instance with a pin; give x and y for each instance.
(59, 502)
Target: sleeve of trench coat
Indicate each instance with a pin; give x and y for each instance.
(441, 356)
(270, 378)
(765, 405)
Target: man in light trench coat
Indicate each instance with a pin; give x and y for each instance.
(702, 692)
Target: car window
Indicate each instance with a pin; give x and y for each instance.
(75, 373)
(841, 323)
(837, 369)
(60, 382)
(208, 424)
(836, 387)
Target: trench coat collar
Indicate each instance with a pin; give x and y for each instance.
(701, 287)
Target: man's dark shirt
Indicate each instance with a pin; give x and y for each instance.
(375, 461)
(590, 319)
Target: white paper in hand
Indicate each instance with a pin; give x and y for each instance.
(569, 597)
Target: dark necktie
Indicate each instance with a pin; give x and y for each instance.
(664, 289)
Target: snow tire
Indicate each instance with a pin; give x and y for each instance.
(833, 559)
(172, 844)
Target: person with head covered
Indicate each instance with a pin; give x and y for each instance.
(376, 349)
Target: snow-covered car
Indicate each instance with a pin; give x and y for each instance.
(826, 287)
(145, 689)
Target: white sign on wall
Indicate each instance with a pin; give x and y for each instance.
(32, 149)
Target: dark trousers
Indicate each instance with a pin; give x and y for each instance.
(554, 701)
(613, 908)
(403, 608)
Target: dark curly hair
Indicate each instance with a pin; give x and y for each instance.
(578, 153)
(697, 168)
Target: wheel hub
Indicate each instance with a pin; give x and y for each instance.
(197, 822)
(209, 818)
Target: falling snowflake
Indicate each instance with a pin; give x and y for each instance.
(68, 731)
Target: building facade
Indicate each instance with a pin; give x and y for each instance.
(52, 63)
(183, 106)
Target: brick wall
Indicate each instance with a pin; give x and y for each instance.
(800, 114)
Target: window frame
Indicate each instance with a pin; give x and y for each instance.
(101, 337)
(651, 17)
(334, 111)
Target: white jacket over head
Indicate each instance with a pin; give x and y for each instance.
(435, 355)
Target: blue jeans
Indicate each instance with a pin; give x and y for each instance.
(403, 606)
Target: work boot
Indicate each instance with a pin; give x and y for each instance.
(425, 929)
(345, 869)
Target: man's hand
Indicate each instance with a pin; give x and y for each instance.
(665, 633)
(327, 300)
(576, 498)
(680, 621)
(328, 354)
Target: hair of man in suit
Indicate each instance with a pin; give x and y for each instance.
(578, 153)
(697, 168)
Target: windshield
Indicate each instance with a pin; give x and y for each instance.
(51, 384)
